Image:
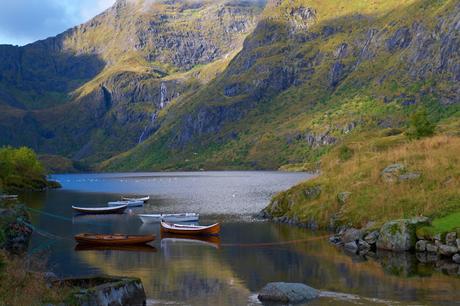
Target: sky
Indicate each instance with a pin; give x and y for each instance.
(26, 21)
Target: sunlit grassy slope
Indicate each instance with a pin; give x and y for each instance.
(436, 193)
(286, 88)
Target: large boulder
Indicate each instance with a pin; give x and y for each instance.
(399, 235)
(287, 292)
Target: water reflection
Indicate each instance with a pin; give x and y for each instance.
(228, 270)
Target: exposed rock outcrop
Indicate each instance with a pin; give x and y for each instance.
(105, 290)
(15, 231)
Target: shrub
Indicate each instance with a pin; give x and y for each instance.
(345, 153)
(420, 124)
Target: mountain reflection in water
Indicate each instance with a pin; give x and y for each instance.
(231, 269)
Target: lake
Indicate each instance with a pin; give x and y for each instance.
(229, 270)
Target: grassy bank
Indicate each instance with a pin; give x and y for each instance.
(20, 286)
(354, 189)
(20, 170)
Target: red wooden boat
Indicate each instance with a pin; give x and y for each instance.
(183, 229)
(147, 248)
(113, 239)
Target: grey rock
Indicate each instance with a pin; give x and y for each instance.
(287, 292)
(335, 239)
(351, 246)
(390, 173)
(313, 192)
(372, 237)
(342, 197)
(420, 246)
(458, 243)
(456, 258)
(107, 290)
(352, 234)
(398, 235)
(420, 221)
(431, 248)
(400, 40)
(447, 250)
(437, 237)
(409, 176)
(451, 239)
(364, 246)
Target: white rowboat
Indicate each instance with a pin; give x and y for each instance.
(185, 217)
(129, 203)
(101, 210)
(143, 199)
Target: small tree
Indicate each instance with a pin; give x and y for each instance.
(420, 124)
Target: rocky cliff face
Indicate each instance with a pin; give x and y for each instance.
(307, 68)
(166, 78)
(95, 90)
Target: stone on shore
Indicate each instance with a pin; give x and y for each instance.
(287, 292)
(351, 234)
(351, 246)
(447, 250)
(372, 237)
(456, 258)
(399, 235)
(106, 290)
(431, 248)
(420, 246)
(451, 238)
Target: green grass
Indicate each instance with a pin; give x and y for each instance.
(442, 225)
(435, 194)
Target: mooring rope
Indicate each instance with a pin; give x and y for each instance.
(64, 218)
(240, 245)
(268, 244)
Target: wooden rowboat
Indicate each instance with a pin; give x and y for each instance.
(113, 239)
(182, 229)
(101, 210)
(143, 199)
(145, 248)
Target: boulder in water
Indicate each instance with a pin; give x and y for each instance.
(287, 292)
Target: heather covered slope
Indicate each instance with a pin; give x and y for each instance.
(311, 75)
(95, 90)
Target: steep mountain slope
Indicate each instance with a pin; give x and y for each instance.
(95, 90)
(310, 75)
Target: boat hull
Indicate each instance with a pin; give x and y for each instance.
(155, 218)
(143, 199)
(128, 203)
(100, 210)
(146, 248)
(180, 229)
(113, 240)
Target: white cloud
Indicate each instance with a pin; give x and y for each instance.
(25, 21)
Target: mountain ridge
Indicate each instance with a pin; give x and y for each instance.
(303, 76)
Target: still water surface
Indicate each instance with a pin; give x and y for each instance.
(229, 270)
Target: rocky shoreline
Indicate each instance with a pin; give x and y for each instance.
(395, 239)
